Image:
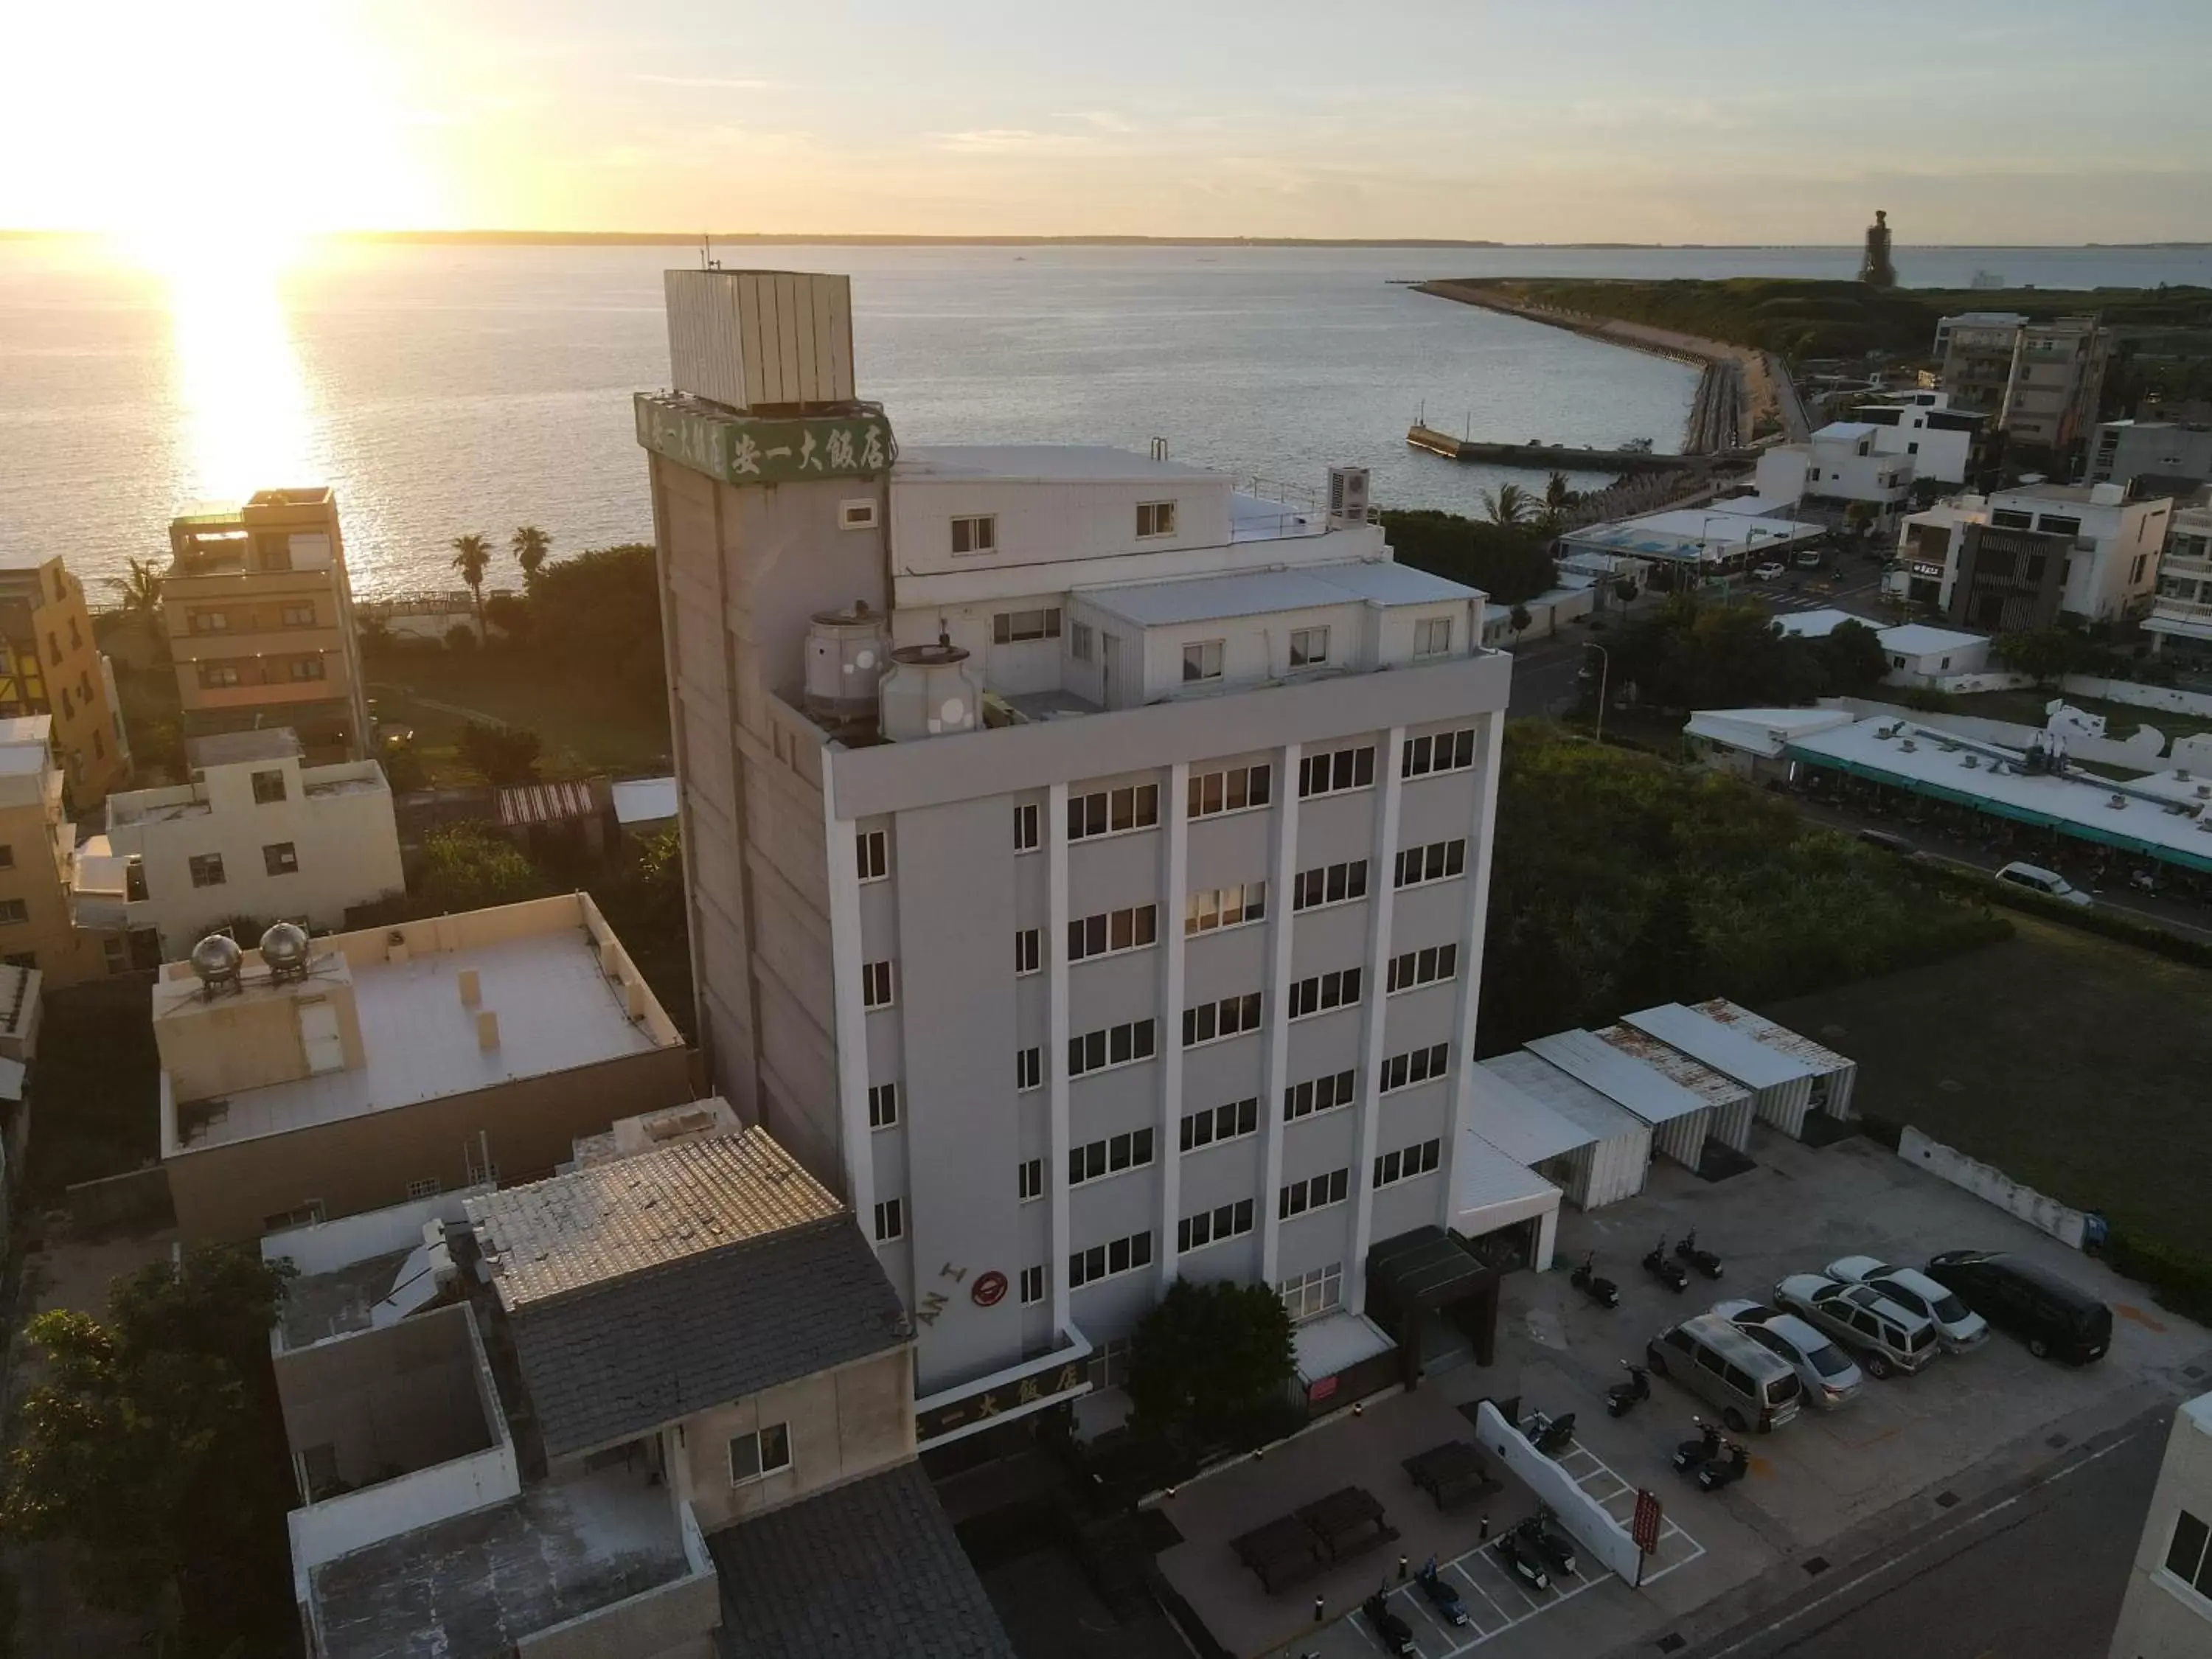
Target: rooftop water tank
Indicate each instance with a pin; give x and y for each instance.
(216, 960)
(844, 663)
(931, 690)
(284, 950)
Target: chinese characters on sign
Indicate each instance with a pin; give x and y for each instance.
(1066, 1382)
(741, 449)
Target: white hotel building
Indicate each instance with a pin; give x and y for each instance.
(1127, 923)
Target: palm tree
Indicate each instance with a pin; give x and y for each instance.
(142, 592)
(471, 553)
(1508, 504)
(1558, 496)
(530, 544)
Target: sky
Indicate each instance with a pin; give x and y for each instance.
(1763, 121)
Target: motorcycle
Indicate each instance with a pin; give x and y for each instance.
(1394, 1633)
(1603, 1292)
(1673, 1274)
(1621, 1398)
(1554, 1545)
(1691, 1455)
(1704, 1260)
(1522, 1560)
(1442, 1596)
(1718, 1472)
(1550, 1435)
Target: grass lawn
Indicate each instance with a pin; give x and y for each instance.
(2074, 1064)
(2121, 719)
(587, 724)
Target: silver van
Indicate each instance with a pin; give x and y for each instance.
(1709, 1356)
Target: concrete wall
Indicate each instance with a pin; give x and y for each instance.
(2161, 1618)
(328, 1246)
(1986, 1182)
(676, 1620)
(38, 879)
(338, 1526)
(1577, 1510)
(1048, 522)
(2164, 698)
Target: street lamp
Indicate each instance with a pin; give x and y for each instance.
(1605, 668)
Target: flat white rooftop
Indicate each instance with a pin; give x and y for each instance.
(1620, 1077)
(1334, 1342)
(1780, 1038)
(1516, 1123)
(1041, 463)
(644, 800)
(1488, 1177)
(1562, 1092)
(1765, 732)
(1919, 640)
(1815, 624)
(1257, 593)
(1691, 532)
(1732, 1053)
(557, 1011)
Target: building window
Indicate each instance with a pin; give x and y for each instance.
(890, 1220)
(1029, 951)
(1317, 1094)
(208, 621)
(306, 668)
(427, 1188)
(1440, 861)
(1079, 642)
(1111, 931)
(98, 748)
(1416, 1066)
(1309, 1295)
(1109, 1261)
(1234, 790)
(1111, 1156)
(1032, 1286)
(69, 708)
(1224, 1221)
(1438, 751)
(1116, 1045)
(7, 856)
(764, 1451)
(1308, 647)
(1201, 660)
(1328, 773)
(280, 858)
(1433, 638)
(1224, 907)
(872, 852)
(1231, 1121)
(875, 985)
(2135, 575)
(216, 676)
(1109, 1366)
(206, 869)
(1029, 1180)
(1315, 1193)
(1228, 1017)
(1026, 837)
(84, 680)
(275, 551)
(1323, 992)
(268, 787)
(883, 1105)
(2188, 1556)
(1329, 884)
(14, 911)
(1029, 1070)
(1013, 626)
(1426, 966)
(1110, 811)
(974, 535)
(1155, 519)
(299, 616)
(1391, 1168)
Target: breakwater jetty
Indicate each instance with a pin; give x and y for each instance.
(1565, 458)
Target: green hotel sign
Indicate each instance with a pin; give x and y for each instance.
(742, 449)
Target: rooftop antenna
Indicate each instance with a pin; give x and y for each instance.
(707, 259)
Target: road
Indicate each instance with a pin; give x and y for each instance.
(2035, 1575)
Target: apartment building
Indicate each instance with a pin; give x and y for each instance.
(50, 665)
(310, 1080)
(2181, 615)
(254, 833)
(38, 852)
(2162, 453)
(1087, 860)
(2168, 1611)
(2046, 550)
(1842, 467)
(2044, 380)
(1946, 444)
(259, 614)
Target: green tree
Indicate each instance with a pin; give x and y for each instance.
(472, 556)
(465, 868)
(150, 1450)
(530, 546)
(2047, 655)
(1507, 564)
(1518, 619)
(1210, 1359)
(512, 617)
(141, 593)
(502, 754)
(1852, 659)
(1558, 496)
(601, 611)
(1508, 504)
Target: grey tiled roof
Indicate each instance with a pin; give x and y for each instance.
(869, 1571)
(629, 1355)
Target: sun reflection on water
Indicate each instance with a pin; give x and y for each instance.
(247, 421)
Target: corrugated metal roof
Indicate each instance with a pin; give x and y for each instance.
(1565, 1094)
(1517, 1123)
(1619, 1077)
(546, 802)
(1731, 1052)
(1780, 1038)
(1716, 1088)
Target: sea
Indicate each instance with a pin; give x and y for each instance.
(449, 389)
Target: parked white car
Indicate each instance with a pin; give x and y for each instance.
(2049, 883)
(1887, 1339)
(1826, 1371)
(1957, 1326)
(1772, 571)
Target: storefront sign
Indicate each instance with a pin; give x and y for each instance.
(1318, 1391)
(989, 1289)
(744, 449)
(1029, 1392)
(1934, 571)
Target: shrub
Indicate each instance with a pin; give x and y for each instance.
(502, 754)
(2181, 1279)
(1211, 1360)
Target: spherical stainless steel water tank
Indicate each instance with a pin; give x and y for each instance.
(284, 945)
(216, 958)
(844, 664)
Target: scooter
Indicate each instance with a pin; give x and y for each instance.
(1724, 1471)
(1622, 1397)
(1395, 1633)
(1704, 1260)
(1442, 1596)
(1695, 1454)
(1673, 1274)
(1603, 1292)
(1555, 1546)
(1550, 1435)
(1522, 1560)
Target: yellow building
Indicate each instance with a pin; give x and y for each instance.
(260, 620)
(38, 847)
(49, 665)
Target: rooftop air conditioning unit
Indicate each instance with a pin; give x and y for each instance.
(2204, 792)
(1971, 762)
(1347, 494)
(1908, 746)
(2117, 803)
(1886, 732)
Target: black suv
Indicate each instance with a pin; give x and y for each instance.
(2052, 1316)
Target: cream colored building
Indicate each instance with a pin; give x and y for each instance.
(38, 845)
(259, 613)
(2167, 1613)
(255, 834)
(403, 1061)
(50, 665)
